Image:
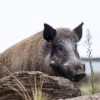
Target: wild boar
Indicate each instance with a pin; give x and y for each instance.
(52, 51)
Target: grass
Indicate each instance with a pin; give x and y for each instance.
(89, 88)
(85, 84)
(37, 93)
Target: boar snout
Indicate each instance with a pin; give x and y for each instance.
(79, 73)
(75, 70)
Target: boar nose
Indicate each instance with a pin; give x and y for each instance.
(79, 76)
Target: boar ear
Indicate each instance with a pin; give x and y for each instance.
(78, 31)
(49, 33)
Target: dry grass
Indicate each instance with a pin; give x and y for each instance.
(37, 93)
(85, 85)
(88, 45)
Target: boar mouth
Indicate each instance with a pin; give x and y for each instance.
(60, 71)
(78, 77)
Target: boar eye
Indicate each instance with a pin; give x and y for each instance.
(60, 48)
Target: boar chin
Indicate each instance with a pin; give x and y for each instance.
(79, 76)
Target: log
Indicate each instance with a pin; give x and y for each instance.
(12, 86)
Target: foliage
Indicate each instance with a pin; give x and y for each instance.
(88, 45)
(85, 84)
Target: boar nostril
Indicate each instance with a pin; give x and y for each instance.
(83, 67)
(78, 77)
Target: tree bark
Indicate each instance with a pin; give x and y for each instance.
(53, 87)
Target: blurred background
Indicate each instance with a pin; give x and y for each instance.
(20, 19)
